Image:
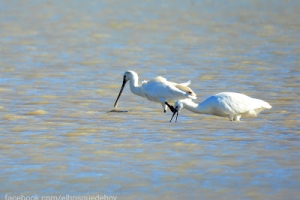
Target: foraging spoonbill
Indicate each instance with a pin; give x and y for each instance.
(157, 89)
(225, 104)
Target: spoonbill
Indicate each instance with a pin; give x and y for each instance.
(225, 104)
(157, 89)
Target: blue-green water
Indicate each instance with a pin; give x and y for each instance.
(61, 68)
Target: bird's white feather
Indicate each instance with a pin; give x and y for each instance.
(226, 104)
(158, 89)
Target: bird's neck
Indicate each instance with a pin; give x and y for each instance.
(135, 87)
(194, 107)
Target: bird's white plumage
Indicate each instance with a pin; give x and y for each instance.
(161, 90)
(157, 89)
(226, 104)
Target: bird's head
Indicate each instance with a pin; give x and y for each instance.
(177, 107)
(126, 77)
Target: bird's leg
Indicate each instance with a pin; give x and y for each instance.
(170, 107)
(164, 107)
(176, 117)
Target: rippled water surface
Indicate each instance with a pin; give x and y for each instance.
(61, 68)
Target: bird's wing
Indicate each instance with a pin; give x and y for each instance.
(184, 87)
(158, 79)
(159, 86)
(186, 83)
(156, 90)
(240, 103)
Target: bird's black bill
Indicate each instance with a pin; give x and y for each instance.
(174, 115)
(170, 107)
(121, 90)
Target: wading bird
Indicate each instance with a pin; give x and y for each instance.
(225, 104)
(157, 89)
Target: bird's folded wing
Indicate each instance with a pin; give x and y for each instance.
(186, 89)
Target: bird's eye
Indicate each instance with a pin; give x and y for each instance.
(190, 92)
(176, 107)
(124, 76)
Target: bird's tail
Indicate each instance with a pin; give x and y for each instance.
(264, 104)
(186, 83)
(267, 105)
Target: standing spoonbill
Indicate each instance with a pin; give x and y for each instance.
(157, 89)
(225, 104)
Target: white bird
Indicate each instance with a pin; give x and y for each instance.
(225, 104)
(157, 89)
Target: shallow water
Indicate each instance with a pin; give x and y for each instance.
(61, 67)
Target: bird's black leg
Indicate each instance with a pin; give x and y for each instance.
(170, 107)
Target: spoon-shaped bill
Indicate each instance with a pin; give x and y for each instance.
(121, 90)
